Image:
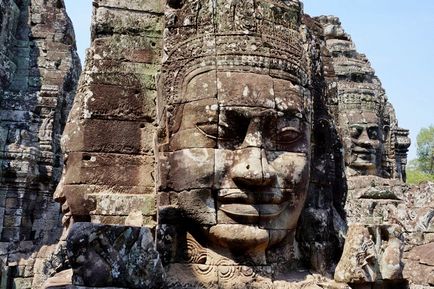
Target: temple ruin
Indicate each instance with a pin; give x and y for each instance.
(206, 144)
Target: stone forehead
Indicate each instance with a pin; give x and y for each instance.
(245, 89)
(360, 117)
(359, 100)
(361, 96)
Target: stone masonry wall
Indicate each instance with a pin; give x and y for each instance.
(109, 135)
(39, 70)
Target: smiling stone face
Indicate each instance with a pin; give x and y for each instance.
(362, 141)
(238, 158)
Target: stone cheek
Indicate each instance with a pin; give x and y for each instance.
(198, 206)
(188, 169)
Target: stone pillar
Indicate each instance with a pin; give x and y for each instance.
(108, 140)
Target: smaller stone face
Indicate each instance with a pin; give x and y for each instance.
(362, 141)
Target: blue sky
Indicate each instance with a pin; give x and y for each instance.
(396, 36)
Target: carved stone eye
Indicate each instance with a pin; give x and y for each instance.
(373, 133)
(208, 129)
(233, 127)
(355, 132)
(175, 4)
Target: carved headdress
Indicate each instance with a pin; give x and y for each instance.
(261, 36)
(361, 97)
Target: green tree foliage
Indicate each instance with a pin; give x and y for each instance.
(425, 150)
(417, 177)
(422, 168)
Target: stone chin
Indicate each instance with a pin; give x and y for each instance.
(238, 236)
(257, 236)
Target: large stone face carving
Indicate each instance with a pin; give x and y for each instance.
(248, 137)
(234, 141)
(108, 140)
(248, 163)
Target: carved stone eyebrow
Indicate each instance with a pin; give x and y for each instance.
(294, 113)
(250, 111)
(356, 125)
(363, 125)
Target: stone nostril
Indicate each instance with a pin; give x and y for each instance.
(246, 172)
(175, 4)
(251, 168)
(60, 199)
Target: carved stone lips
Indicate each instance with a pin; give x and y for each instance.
(360, 150)
(364, 154)
(242, 205)
(255, 212)
(366, 157)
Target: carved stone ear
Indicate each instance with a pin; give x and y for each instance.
(175, 4)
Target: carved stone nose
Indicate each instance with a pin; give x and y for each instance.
(251, 168)
(364, 139)
(253, 137)
(59, 195)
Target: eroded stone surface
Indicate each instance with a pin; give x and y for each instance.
(39, 70)
(254, 141)
(113, 256)
(251, 144)
(108, 139)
